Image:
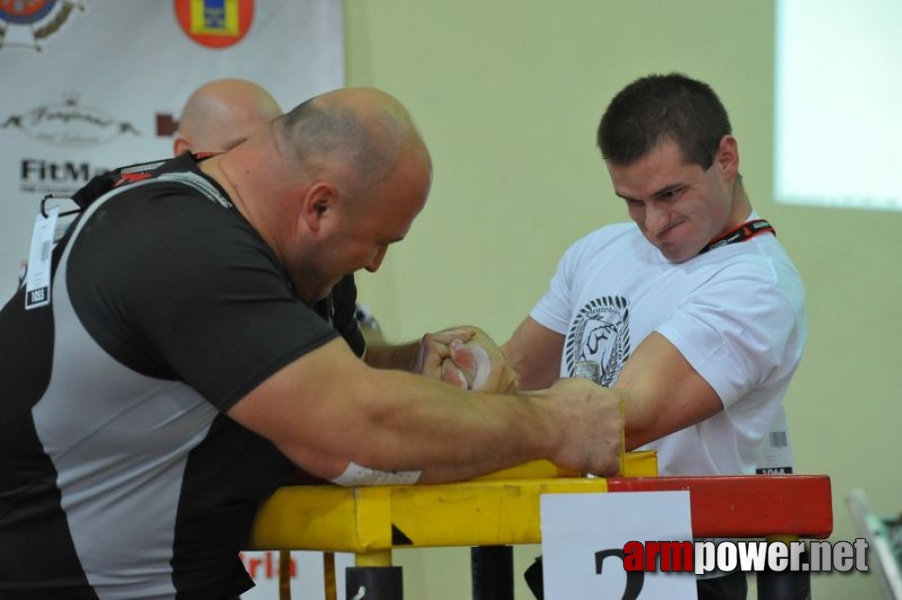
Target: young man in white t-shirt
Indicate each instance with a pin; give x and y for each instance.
(694, 307)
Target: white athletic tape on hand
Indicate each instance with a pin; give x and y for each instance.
(483, 366)
(355, 475)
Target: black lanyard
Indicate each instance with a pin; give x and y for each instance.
(743, 233)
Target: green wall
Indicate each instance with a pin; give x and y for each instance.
(507, 94)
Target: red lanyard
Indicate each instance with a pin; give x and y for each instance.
(742, 233)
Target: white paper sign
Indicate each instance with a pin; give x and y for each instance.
(583, 540)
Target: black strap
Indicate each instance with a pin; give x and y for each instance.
(742, 233)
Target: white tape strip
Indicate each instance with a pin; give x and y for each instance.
(355, 475)
(483, 366)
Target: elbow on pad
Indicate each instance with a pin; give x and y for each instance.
(355, 475)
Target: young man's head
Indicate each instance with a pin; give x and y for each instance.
(669, 148)
(663, 107)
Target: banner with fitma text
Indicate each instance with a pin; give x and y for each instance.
(88, 85)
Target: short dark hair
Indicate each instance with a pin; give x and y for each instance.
(320, 131)
(312, 130)
(663, 107)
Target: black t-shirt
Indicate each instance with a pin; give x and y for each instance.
(119, 470)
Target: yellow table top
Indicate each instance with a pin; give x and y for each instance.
(498, 509)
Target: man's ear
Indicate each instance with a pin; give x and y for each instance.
(727, 158)
(319, 205)
(180, 146)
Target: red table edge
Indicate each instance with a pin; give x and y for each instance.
(747, 506)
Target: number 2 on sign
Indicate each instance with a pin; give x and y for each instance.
(634, 579)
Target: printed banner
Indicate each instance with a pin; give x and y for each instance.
(307, 575)
(88, 85)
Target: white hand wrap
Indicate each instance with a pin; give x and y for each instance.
(355, 475)
(483, 366)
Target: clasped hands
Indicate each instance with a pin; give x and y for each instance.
(468, 358)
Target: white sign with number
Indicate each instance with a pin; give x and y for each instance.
(584, 538)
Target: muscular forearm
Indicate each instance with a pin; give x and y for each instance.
(328, 411)
(665, 393)
(404, 357)
(406, 422)
(534, 352)
(450, 434)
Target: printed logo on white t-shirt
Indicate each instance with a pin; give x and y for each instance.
(600, 332)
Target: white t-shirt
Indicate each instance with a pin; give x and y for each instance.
(736, 313)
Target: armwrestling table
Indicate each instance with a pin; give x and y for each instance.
(492, 513)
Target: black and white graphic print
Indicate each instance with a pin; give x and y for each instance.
(600, 332)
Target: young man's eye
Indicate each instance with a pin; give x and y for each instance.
(672, 194)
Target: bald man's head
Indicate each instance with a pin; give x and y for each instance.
(330, 185)
(363, 130)
(223, 113)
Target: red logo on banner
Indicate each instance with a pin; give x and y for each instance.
(215, 23)
(25, 13)
(30, 21)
